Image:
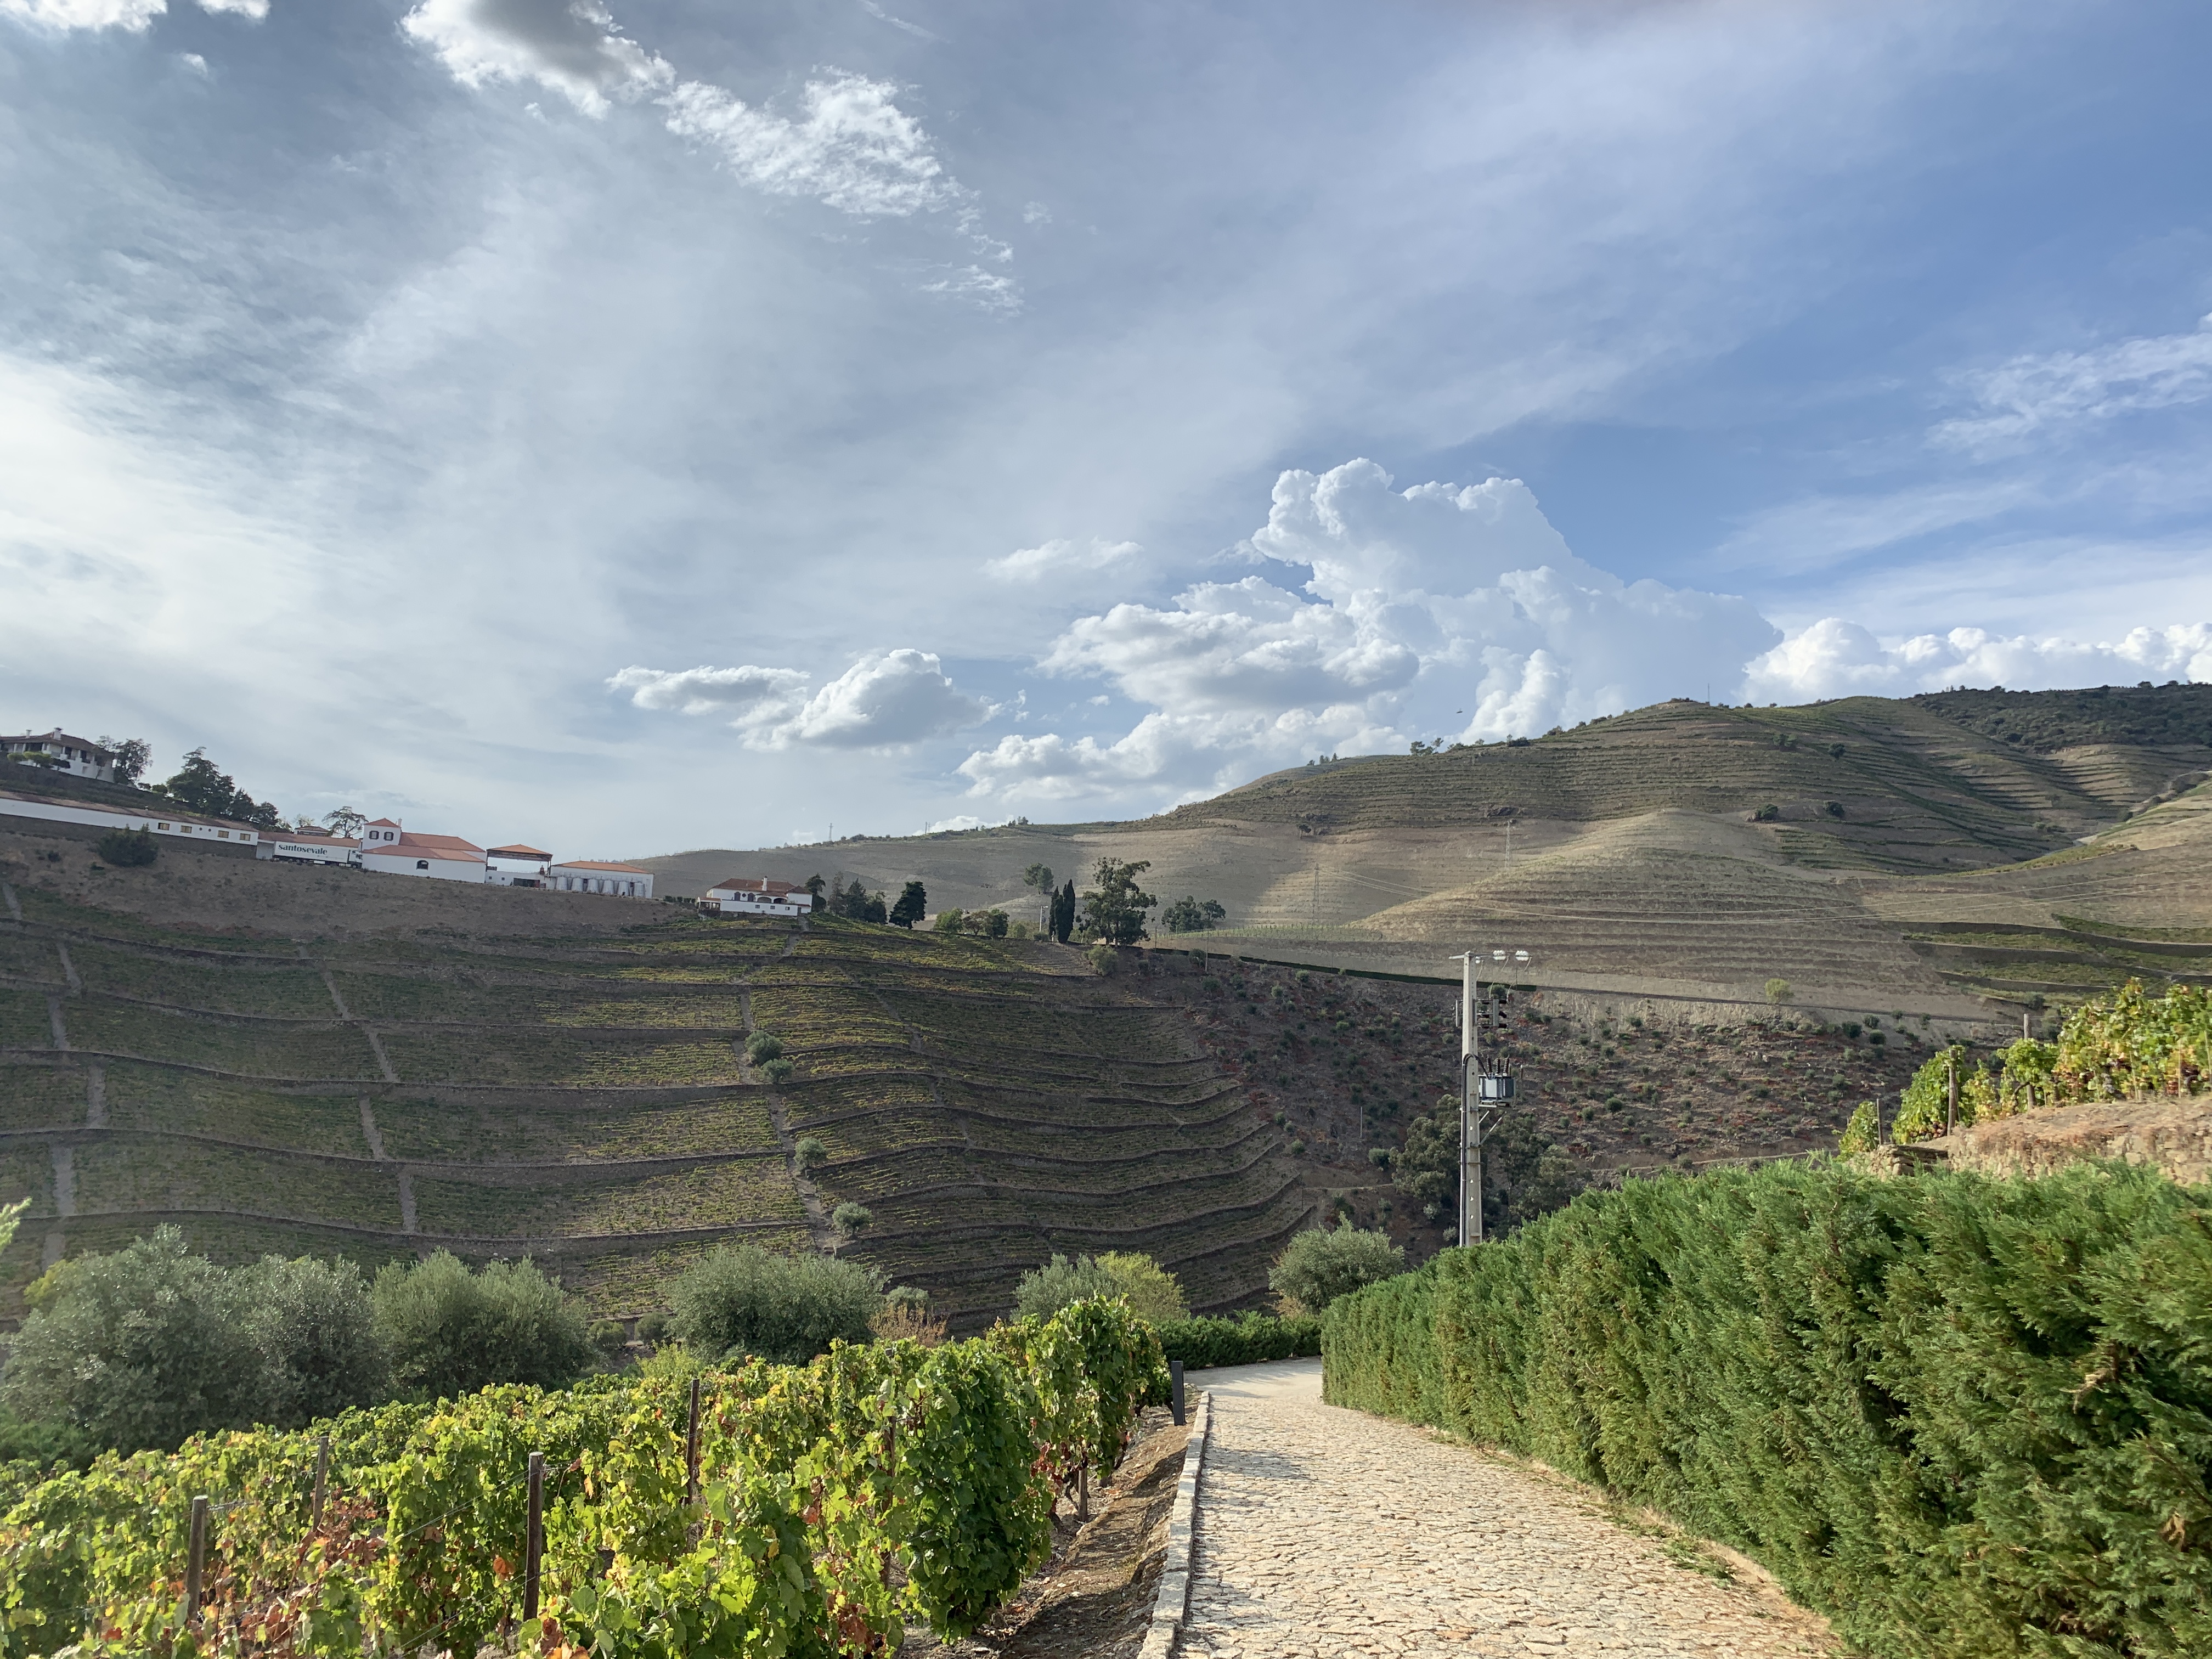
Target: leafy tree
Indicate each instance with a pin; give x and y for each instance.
(1426, 1168)
(762, 1047)
(985, 924)
(850, 902)
(948, 922)
(1038, 879)
(1151, 1289)
(1104, 959)
(1522, 1177)
(147, 1345)
(912, 904)
(742, 1299)
(852, 1219)
(872, 909)
(814, 884)
(810, 1152)
(1114, 910)
(131, 754)
(203, 787)
(451, 1332)
(127, 848)
(1187, 915)
(1043, 1291)
(1317, 1268)
(344, 821)
(608, 1336)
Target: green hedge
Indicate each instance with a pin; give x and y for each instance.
(1963, 1417)
(1248, 1339)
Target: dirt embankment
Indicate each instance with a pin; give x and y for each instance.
(2173, 1136)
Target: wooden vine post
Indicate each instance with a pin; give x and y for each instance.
(1951, 1108)
(322, 1483)
(691, 1449)
(534, 1536)
(196, 1561)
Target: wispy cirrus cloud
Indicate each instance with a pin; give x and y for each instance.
(2052, 394)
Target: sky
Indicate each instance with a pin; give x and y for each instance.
(634, 425)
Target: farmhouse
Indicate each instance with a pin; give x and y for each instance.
(591, 876)
(750, 895)
(390, 850)
(80, 757)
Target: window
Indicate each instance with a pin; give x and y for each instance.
(422, 863)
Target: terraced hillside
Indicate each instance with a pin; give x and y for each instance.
(1638, 853)
(569, 1081)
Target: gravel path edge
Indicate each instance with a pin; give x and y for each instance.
(1173, 1601)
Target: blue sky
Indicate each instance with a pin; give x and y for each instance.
(653, 424)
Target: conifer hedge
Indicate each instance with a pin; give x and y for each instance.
(1961, 1416)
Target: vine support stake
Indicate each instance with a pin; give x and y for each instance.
(691, 1449)
(1174, 1391)
(322, 1483)
(533, 1537)
(195, 1562)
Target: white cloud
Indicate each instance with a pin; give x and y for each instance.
(853, 147)
(1835, 659)
(134, 15)
(2031, 396)
(886, 701)
(1059, 558)
(569, 46)
(1429, 609)
(963, 821)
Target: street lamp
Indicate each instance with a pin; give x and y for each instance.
(1482, 1095)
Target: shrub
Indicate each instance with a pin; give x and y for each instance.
(850, 1219)
(1946, 1411)
(810, 1152)
(127, 848)
(1152, 1292)
(1766, 814)
(1777, 990)
(1250, 1339)
(147, 1345)
(764, 1046)
(451, 1332)
(653, 1329)
(1317, 1268)
(777, 1072)
(608, 1336)
(742, 1299)
(1103, 958)
(1864, 1132)
(1061, 1282)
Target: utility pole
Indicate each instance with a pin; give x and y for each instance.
(1470, 1145)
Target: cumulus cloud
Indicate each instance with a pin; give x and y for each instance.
(1834, 658)
(885, 700)
(1434, 610)
(850, 145)
(1061, 558)
(2033, 396)
(134, 15)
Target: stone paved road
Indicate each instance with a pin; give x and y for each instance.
(1323, 1531)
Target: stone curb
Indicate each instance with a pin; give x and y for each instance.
(1182, 1520)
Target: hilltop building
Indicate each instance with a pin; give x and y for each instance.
(389, 849)
(592, 876)
(517, 865)
(751, 896)
(80, 757)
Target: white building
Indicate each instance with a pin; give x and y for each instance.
(388, 849)
(592, 876)
(751, 896)
(218, 832)
(517, 866)
(80, 757)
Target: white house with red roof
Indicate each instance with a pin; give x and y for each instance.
(751, 895)
(390, 850)
(57, 751)
(594, 876)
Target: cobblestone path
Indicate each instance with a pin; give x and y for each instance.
(1324, 1533)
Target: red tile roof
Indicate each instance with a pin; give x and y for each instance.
(518, 851)
(594, 864)
(459, 853)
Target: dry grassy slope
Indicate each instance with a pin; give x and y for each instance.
(506, 1072)
(1624, 850)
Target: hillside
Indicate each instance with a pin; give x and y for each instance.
(564, 1077)
(1630, 856)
